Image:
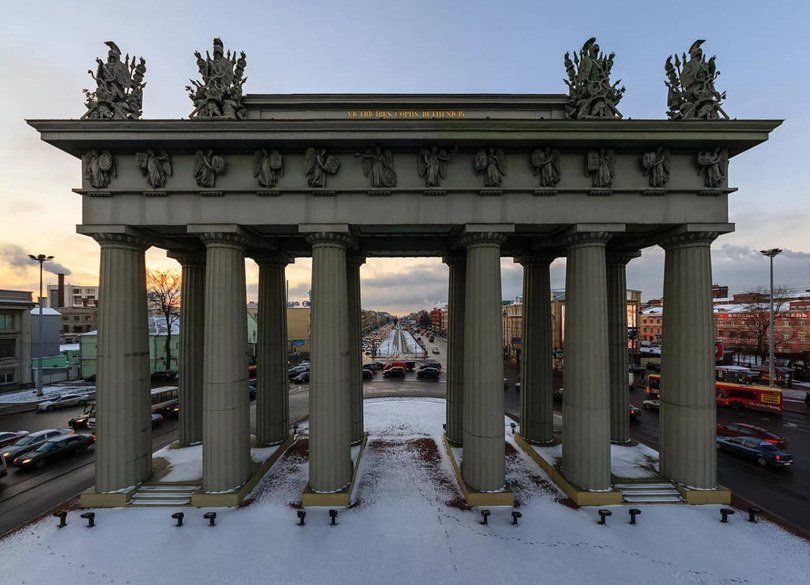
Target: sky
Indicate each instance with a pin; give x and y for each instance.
(418, 46)
(406, 527)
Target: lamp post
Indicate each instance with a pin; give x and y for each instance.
(771, 368)
(41, 258)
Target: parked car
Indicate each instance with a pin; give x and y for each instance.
(63, 401)
(430, 364)
(30, 442)
(431, 373)
(635, 412)
(164, 376)
(9, 437)
(3, 467)
(394, 372)
(746, 430)
(80, 421)
(434, 350)
(652, 404)
(252, 390)
(368, 374)
(302, 378)
(293, 372)
(54, 449)
(157, 418)
(760, 450)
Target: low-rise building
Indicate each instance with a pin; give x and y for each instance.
(15, 339)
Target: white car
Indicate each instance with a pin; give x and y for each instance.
(652, 404)
(63, 401)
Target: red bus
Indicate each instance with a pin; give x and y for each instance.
(736, 395)
(252, 372)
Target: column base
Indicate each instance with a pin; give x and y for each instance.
(473, 497)
(719, 495)
(577, 495)
(92, 499)
(339, 499)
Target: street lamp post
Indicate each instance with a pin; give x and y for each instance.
(772, 366)
(41, 258)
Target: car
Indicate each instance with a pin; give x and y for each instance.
(368, 374)
(252, 390)
(637, 370)
(760, 450)
(54, 449)
(63, 401)
(3, 467)
(557, 393)
(157, 418)
(635, 412)
(435, 350)
(30, 442)
(302, 378)
(652, 404)
(431, 373)
(9, 437)
(297, 371)
(747, 430)
(370, 366)
(430, 364)
(164, 376)
(394, 372)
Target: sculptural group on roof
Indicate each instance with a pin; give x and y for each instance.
(691, 94)
(219, 95)
(590, 93)
(119, 88)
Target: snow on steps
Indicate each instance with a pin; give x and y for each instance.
(649, 493)
(164, 495)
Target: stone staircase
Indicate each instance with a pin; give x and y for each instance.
(153, 495)
(649, 493)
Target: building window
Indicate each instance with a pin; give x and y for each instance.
(802, 322)
(802, 336)
(6, 321)
(6, 376)
(786, 337)
(8, 348)
(76, 318)
(785, 322)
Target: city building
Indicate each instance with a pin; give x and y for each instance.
(436, 319)
(15, 339)
(651, 324)
(78, 306)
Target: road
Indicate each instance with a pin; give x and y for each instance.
(27, 494)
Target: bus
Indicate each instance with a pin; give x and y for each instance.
(163, 400)
(734, 394)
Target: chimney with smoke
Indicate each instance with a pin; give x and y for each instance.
(61, 291)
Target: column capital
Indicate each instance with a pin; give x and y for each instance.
(335, 239)
(121, 240)
(226, 238)
(586, 238)
(536, 258)
(186, 258)
(455, 259)
(688, 238)
(472, 239)
(621, 256)
(355, 260)
(267, 258)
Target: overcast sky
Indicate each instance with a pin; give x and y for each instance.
(428, 46)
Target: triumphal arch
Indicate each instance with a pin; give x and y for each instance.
(468, 178)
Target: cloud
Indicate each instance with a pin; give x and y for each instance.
(17, 259)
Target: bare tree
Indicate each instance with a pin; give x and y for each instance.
(752, 333)
(163, 296)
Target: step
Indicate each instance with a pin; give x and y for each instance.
(161, 496)
(158, 488)
(638, 493)
(159, 502)
(652, 499)
(642, 485)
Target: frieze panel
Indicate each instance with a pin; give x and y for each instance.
(155, 165)
(713, 167)
(268, 167)
(431, 164)
(207, 166)
(99, 168)
(491, 163)
(318, 165)
(378, 166)
(546, 166)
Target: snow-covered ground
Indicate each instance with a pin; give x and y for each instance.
(398, 343)
(406, 526)
(48, 392)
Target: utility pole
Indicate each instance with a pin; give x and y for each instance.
(41, 258)
(772, 366)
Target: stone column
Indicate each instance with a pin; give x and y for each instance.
(123, 405)
(483, 408)
(536, 368)
(226, 405)
(330, 465)
(272, 391)
(616, 265)
(192, 331)
(353, 263)
(455, 349)
(688, 409)
(586, 404)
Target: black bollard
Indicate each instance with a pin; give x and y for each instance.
(604, 514)
(633, 513)
(333, 516)
(725, 513)
(752, 514)
(179, 517)
(211, 517)
(513, 425)
(62, 515)
(91, 518)
(444, 427)
(301, 515)
(515, 516)
(485, 514)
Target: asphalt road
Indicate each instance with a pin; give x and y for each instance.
(25, 495)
